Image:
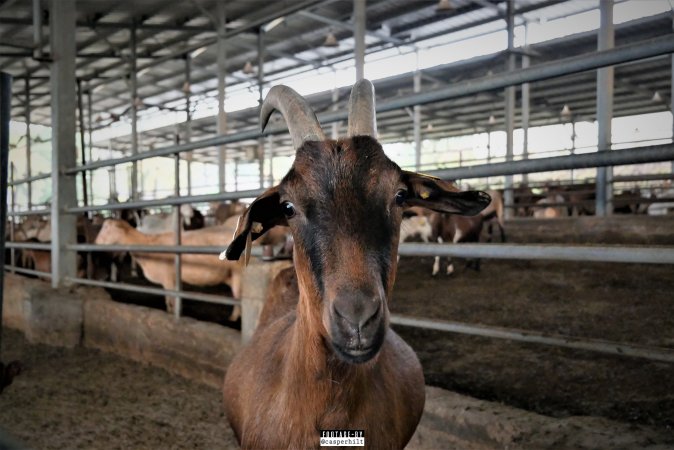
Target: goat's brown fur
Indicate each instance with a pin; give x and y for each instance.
(294, 378)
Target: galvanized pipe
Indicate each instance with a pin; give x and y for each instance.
(359, 18)
(133, 80)
(220, 300)
(177, 230)
(30, 179)
(37, 30)
(635, 254)
(416, 119)
(508, 197)
(63, 112)
(22, 271)
(222, 85)
(29, 169)
(656, 153)
(643, 255)
(29, 245)
(566, 66)
(639, 155)
(605, 41)
(595, 345)
(5, 116)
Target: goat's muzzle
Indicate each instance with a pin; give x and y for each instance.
(357, 325)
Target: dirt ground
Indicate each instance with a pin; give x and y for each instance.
(83, 398)
(626, 303)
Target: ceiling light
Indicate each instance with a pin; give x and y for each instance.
(248, 68)
(492, 120)
(444, 6)
(138, 103)
(198, 51)
(656, 97)
(274, 23)
(566, 111)
(142, 72)
(330, 40)
(429, 127)
(186, 87)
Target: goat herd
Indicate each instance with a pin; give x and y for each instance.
(323, 356)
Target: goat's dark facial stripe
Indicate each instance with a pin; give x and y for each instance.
(344, 190)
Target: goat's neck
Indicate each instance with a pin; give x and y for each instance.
(133, 236)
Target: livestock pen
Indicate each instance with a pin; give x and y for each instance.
(572, 317)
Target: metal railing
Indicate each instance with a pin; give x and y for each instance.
(655, 153)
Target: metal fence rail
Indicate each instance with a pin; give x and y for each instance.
(656, 153)
(210, 298)
(567, 66)
(595, 345)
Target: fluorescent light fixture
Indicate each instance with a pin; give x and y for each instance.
(140, 73)
(273, 24)
(198, 51)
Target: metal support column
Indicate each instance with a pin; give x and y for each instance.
(5, 106)
(133, 75)
(417, 123)
(177, 229)
(37, 30)
(90, 130)
(29, 170)
(605, 41)
(359, 17)
(187, 89)
(222, 85)
(573, 143)
(671, 96)
(63, 113)
(510, 110)
(80, 113)
(260, 86)
(525, 104)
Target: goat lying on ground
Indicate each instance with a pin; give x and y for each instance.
(329, 360)
(198, 270)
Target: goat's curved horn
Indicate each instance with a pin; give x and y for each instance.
(301, 119)
(362, 116)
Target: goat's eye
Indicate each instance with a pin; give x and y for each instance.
(401, 196)
(288, 209)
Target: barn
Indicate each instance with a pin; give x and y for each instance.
(281, 224)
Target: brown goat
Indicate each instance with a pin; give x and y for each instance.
(196, 269)
(328, 359)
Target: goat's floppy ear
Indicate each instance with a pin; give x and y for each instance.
(442, 196)
(262, 215)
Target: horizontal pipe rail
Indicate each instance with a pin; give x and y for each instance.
(40, 176)
(189, 249)
(595, 345)
(29, 245)
(209, 298)
(656, 153)
(567, 66)
(140, 204)
(637, 155)
(636, 254)
(25, 271)
(37, 212)
(618, 254)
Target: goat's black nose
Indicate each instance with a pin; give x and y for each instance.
(357, 310)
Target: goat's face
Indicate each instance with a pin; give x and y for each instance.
(343, 201)
(111, 232)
